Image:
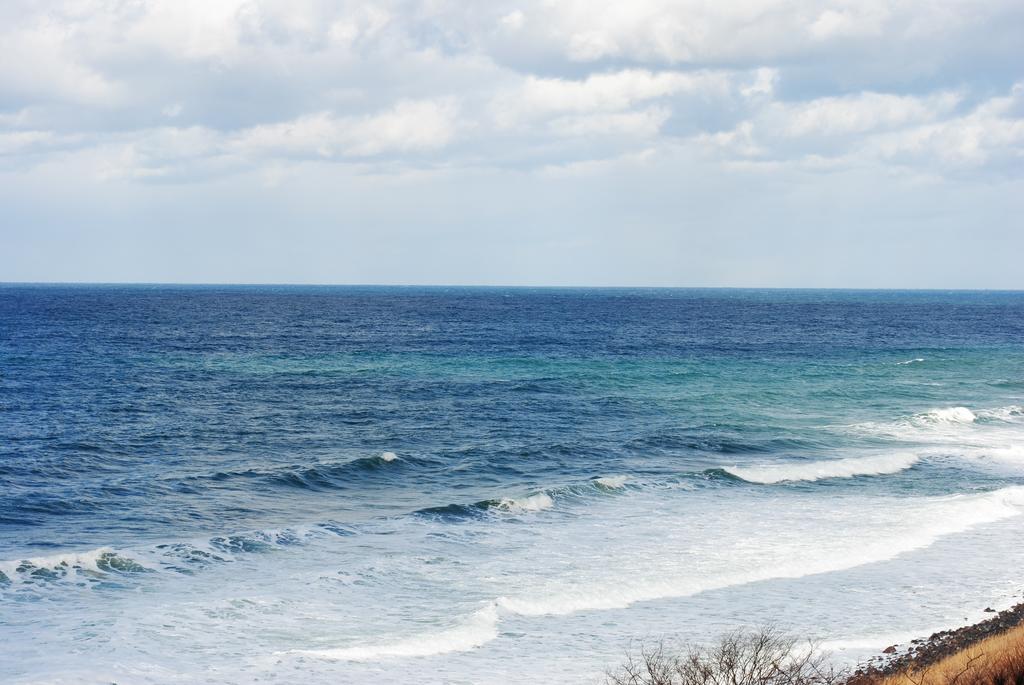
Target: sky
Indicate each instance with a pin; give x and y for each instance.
(810, 143)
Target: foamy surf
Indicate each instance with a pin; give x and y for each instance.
(982, 437)
(877, 465)
(478, 629)
(918, 528)
(95, 562)
(533, 503)
(923, 425)
(875, 643)
(948, 415)
(906, 529)
(612, 482)
(1010, 413)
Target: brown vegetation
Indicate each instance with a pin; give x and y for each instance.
(997, 660)
(764, 657)
(768, 657)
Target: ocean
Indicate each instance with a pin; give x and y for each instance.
(281, 484)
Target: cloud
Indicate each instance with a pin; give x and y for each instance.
(187, 88)
(992, 134)
(39, 67)
(409, 126)
(861, 112)
(930, 133)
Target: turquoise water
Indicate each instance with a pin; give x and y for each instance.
(493, 485)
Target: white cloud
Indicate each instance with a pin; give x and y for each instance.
(612, 101)
(925, 132)
(601, 91)
(643, 123)
(673, 32)
(990, 133)
(525, 84)
(860, 112)
(22, 141)
(860, 19)
(38, 67)
(409, 126)
(513, 20)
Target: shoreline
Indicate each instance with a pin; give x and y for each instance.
(946, 652)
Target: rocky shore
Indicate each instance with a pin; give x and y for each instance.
(927, 652)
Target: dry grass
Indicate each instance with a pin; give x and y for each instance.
(998, 660)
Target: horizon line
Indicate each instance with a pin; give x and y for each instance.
(256, 284)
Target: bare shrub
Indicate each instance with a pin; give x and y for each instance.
(761, 657)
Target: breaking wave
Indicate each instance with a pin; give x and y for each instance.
(612, 482)
(851, 467)
(948, 415)
(934, 519)
(91, 565)
(316, 476)
(540, 501)
(185, 557)
(945, 516)
(478, 629)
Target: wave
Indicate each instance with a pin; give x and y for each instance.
(1009, 413)
(951, 515)
(539, 502)
(522, 505)
(623, 587)
(611, 482)
(977, 436)
(946, 416)
(477, 630)
(878, 465)
(953, 416)
(93, 564)
(917, 360)
(536, 502)
(1010, 454)
(318, 476)
(186, 557)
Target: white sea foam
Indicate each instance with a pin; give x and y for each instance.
(876, 643)
(982, 437)
(938, 518)
(388, 456)
(1011, 454)
(97, 561)
(538, 502)
(924, 426)
(68, 560)
(884, 535)
(910, 361)
(1011, 412)
(876, 465)
(612, 482)
(948, 415)
(478, 629)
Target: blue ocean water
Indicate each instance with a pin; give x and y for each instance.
(490, 485)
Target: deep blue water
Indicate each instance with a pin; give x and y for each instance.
(471, 462)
